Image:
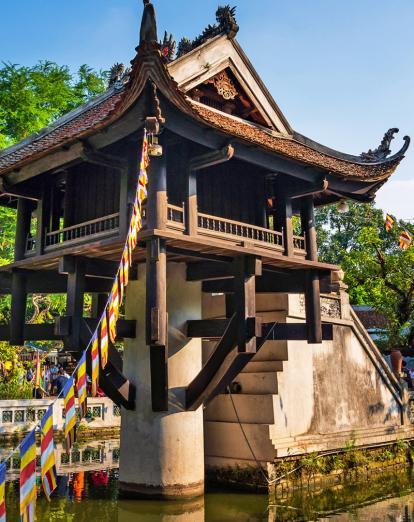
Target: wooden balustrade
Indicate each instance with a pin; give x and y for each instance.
(219, 227)
(77, 233)
(299, 244)
(175, 217)
(30, 245)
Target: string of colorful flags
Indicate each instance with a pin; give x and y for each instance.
(405, 239)
(105, 333)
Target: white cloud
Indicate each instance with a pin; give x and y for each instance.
(397, 198)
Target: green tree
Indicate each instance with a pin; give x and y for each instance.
(33, 97)
(378, 273)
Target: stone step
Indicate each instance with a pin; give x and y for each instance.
(263, 367)
(251, 409)
(272, 351)
(222, 439)
(258, 383)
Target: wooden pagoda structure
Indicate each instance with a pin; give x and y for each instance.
(232, 192)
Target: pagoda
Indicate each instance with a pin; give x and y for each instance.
(226, 281)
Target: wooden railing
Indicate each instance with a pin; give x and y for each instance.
(175, 217)
(77, 233)
(299, 243)
(30, 245)
(219, 227)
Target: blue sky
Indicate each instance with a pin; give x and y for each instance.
(341, 70)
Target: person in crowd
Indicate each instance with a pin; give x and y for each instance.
(60, 381)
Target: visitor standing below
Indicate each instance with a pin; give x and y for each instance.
(60, 381)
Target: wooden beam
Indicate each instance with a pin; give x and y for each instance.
(96, 157)
(291, 332)
(313, 308)
(198, 390)
(157, 322)
(246, 268)
(18, 192)
(24, 215)
(209, 270)
(157, 192)
(74, 305)
(126, 329)
(207, 328)
(92, 267)
(31, 332)
(309, 228)
(18, 308)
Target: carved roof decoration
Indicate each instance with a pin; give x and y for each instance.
(150, 80)
(224, 85)
(226, 24)
(383, 150)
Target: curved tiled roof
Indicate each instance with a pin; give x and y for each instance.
(150, 65)
(72, 125)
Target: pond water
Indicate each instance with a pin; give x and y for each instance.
(88, 491)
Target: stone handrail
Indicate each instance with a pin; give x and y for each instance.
(377, 358)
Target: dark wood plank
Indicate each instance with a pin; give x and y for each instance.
(207, 270)
(207, 328)
(313, 308)
(18, 308)
(291, 332)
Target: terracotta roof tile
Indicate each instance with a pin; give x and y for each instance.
(292, 149)
(58, 135)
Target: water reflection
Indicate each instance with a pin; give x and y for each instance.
(88, 491)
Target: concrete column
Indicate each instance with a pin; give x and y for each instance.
(162, 454)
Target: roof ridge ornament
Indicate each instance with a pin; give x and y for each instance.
(148, 31)
(383, 151)
(226, 24)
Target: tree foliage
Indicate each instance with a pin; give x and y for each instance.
(378, 273)
(33, 97)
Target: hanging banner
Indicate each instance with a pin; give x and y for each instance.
(81, 386)
(3, 492)
(28, 478)
(47, 454)
(95, 364)
(70, 414)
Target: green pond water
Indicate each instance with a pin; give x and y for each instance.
(88, 491)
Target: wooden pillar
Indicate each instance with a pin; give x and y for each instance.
(24, 215)
(246, 268)
(313, 307)
(191, 206)
(74, 303)
(309, 228)
(284, 222)
(42, 214)
(157, 193)
(157, 322)
(18, 308)
(98, 304)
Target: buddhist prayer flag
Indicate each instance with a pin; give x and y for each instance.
(95, 363)
(38, 372)
(28, 478)
(121, 282)
(70, 414)
(2, 492)
(125, 264)
(104, 344)
(47, 459)
(81, 385)
(389, 223)
(405, 240)
(113, 311)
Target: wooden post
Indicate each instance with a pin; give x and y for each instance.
(284, 221)
(309, 228)
(18, 308)
(246, 268)
(42, 213)
(98, 304)
(313, 307)
(191, 206)
(157, 322)
(74, 304)
(157, 193)
(24, 215)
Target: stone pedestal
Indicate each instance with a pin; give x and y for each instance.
(162, 454)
